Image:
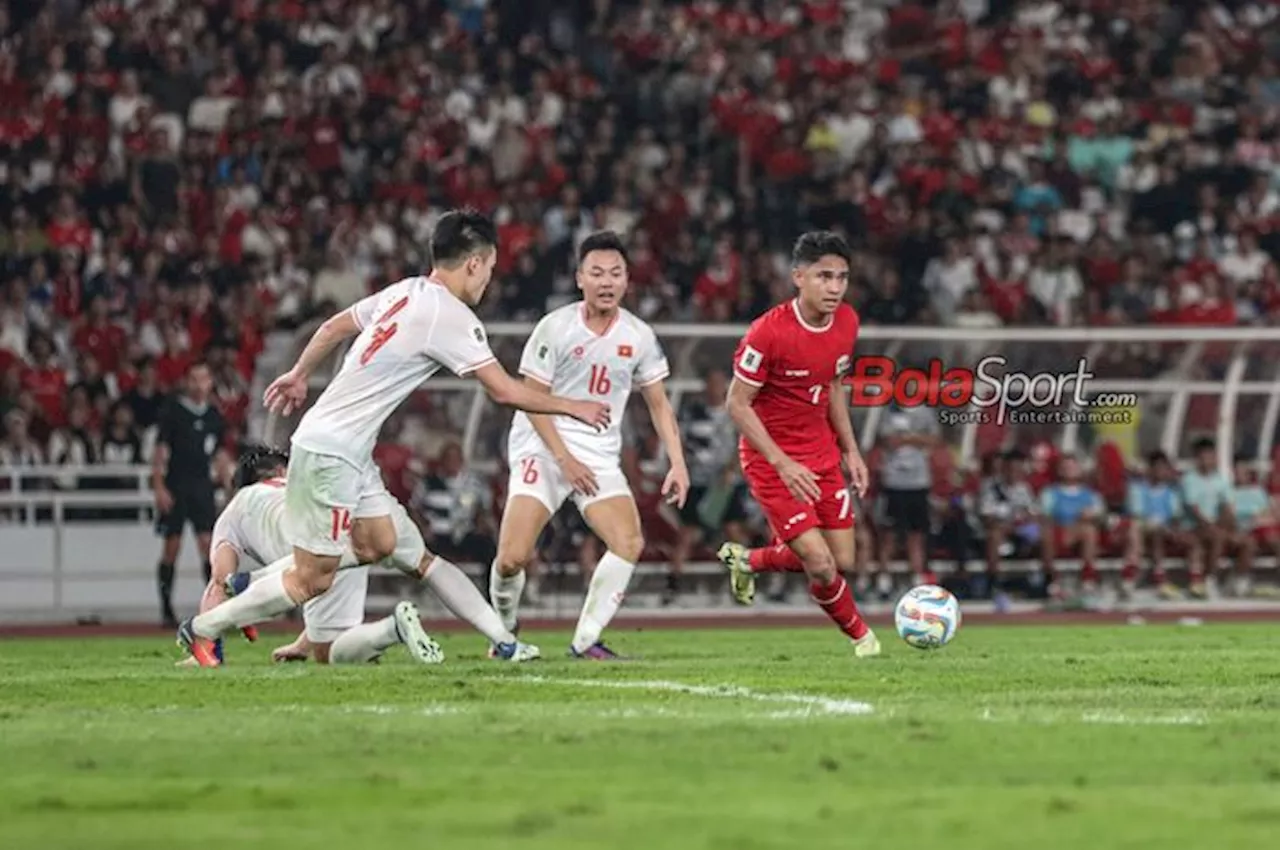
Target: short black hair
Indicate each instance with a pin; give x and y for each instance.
(602, 240)
(1015, 455)
(1241, 457)
(816, 244)
(461, 234)
(1204, 444)
(197, 364)
(1158, 456)
(258, 463)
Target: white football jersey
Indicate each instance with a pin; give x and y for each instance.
(578, 363)
(253, 523)
(409, 330)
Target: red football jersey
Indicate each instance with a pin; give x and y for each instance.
(793, 363)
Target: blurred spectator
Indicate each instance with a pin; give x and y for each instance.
(1071, 510)
(1009, 512)
(1207, 496)
(452, 507)
(1155, 514)
(906, 478)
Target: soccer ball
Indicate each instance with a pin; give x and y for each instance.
(927, 617)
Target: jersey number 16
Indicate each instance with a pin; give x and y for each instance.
(599, 383)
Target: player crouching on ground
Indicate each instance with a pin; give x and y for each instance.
(1070, 511)
(787, 399)
(1154, 507)
(249, 532)
(592, 349)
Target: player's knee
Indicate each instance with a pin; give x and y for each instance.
(512, 561)
(629, 547)
(312, 583)
(820, 566)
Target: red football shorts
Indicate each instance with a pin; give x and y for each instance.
(788, 516)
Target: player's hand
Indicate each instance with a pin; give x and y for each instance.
(286, 393)
(800, 480)
(675, 488)
(164, 499)
(592, 413)
(288, 652)
(859, 476)
(579, 476)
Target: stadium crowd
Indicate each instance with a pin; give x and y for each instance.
(180, 180)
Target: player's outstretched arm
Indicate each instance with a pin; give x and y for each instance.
(800, 480)
(575, 471)
(506, 390)
(289, 391)
(676, 486)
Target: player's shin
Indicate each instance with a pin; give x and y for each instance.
(504, 593)
(604, 597)
(464, 601)
(775, 558)
(365, 642)
(836, 599)
(261, 600)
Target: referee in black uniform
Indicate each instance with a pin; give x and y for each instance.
(191, 433)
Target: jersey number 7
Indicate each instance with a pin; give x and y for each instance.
(383, 332)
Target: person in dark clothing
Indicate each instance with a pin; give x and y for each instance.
(190, 435)
(146, 399)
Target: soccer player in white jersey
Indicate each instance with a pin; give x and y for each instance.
(334, 495)
(590, 349)
(249, 534)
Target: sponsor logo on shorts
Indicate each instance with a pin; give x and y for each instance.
(800, 517)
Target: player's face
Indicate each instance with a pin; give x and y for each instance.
(822, 284)
(602, 277)
(479, 272)
(1069, 469)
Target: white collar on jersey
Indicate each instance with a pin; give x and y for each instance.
(813, 329)
(582, 317)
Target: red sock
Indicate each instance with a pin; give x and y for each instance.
(1158, 575)
(837, 600)
(777, 558)
(1089, 573)
(1129, 572)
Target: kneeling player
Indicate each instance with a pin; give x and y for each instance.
(249, 532)
(787, 399)
(593, 349)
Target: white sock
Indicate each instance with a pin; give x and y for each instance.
(262, 600)
(364, 642)
(504, 593)
(461, 597)
(604, 598)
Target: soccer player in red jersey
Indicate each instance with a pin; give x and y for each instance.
(787, 399)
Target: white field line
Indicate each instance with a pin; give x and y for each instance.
(1105, 718)
(803, 705)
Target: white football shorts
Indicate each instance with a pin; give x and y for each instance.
(339, 608)
(539, 476)
(323, 494)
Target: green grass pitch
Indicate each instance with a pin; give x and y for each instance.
(1013, 737)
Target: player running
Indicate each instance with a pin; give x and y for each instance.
(788, 402)
(249, 533)
(590, 349)
(334, 495)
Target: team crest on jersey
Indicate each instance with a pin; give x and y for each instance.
(842, 365)
(750, 360)
(625, 351)
(578, 352)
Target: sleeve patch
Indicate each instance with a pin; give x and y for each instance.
(751, 360)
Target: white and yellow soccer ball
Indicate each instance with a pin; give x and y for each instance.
(927, 617)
